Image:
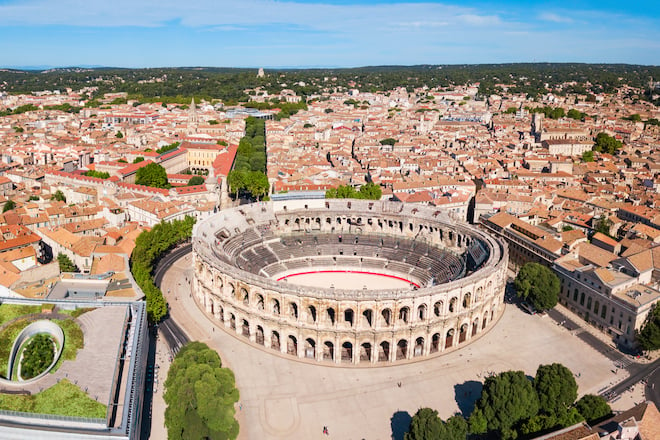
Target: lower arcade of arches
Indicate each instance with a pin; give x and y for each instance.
(326, 346)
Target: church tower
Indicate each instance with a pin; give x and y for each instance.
(193, 118)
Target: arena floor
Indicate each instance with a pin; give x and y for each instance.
(346, 279)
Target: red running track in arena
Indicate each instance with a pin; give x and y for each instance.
(349, 271)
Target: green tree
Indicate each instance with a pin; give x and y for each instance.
(196, 180)
(97, 174)
(65, 263)
(370, 191)
(37, 356)
(119, 135)
(388, 141)
(59, 196)
(426, 425)
(606, 144)
(507, 399)
(153, 175)
(603, 225)
(649, 335)
(9, 205)
(575, 114)
(588, 156)
(138, 159)
(167, 148)
(538, 285)
(200, 395)
(593, 408)
(556, 389)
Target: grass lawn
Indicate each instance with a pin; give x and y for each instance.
(76, 312)
(63, 398)
(8, 336)
(11, 311)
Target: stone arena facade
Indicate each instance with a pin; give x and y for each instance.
(457, 275)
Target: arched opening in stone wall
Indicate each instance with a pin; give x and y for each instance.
(259, 336)
(403, 314)
(367, 315)
(311, 314)
(330, 314)
(384, 352)
(463, 333)
(401, 349)
(419, 347)
(452, 305)
(260, 301)
(484, 321)
(348, 316)
(347, 352)
(475, 326)
(245, 297)
(437, 308)
(245, 329)
(275, 341)
(387, 317)
(421, 312)
(467, 298)
(435, 343)
(293, 310)
(328, 351)
(232, 321)
(292, 345)
(276, 307)
(310, 348)
(365, 352)
(449, 340)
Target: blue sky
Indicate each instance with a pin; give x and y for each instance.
(324, 33)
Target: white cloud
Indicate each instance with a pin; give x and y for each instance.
(555, 18)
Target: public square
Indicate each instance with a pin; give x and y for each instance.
(283, 398)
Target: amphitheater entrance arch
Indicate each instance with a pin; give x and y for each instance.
(435, 343)
(449, 339)
(260, 301)
(275, 341)
(421, 312)
(402, 349)
(384, 351)
(467, 300)
(259, 336)
(310, 348)
(311, 314)
(245, 328)
(403, 314)
(463, 333)
(475, 326)
(484, 321)
(349, 316)
(275, 307)
(365, 352)
(328, 351)
(232, 321)
(292, 345)
(452, 304)
(419, 347)
(347, 352)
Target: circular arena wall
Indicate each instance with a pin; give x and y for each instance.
(456, 276)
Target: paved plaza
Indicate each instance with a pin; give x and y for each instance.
(283, 398)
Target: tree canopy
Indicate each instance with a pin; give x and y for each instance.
(556, 388)
(200, 395)
(426, 425)
(539, 285)
(149, 246)
(65, 263)
(196, 180)
(97, 174)
(59, 196)
(153, 175)
(606, 144)
(369, 191)
(649, 335)
(506, 400)
(593, 407)
(8, 206)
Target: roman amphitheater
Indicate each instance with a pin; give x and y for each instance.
(349, 282)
